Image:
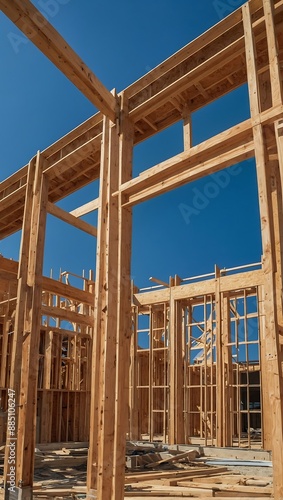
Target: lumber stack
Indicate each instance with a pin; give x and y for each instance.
(157, 473)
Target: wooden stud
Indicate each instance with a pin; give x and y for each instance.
(272, 379)
(71, 219)
(176, 404)
(187, 129)
(274, 63)
(219, 363)
(124, 318)
(26, 346)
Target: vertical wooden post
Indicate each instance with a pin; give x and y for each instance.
(6, 327)
(134, 424)
(187, 129)
(27, 327)
(179, 373)
(176, 407)
(172, 357)
(124, 318)
(219, 363)
(101, 450)
(227, 373)
(274, 63)
(272, 377)
(46, 402)
(112, 331)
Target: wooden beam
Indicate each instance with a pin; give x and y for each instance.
(208, 167)
(71, 219)
(227, 374)
(102, 406)
(184, 53)
(67, 315)
(176, 367)
(272, 44)
(219, 362)
(67, 291)
(202, 70)
(91, 206)
(15, 375)
(26, 345)
(148, 99)
(234, 143)
(272, 377)
(124, 318)
(70, 160)
(187, 127)
(279, 143)
(172, 367)
(228, 283)
(36, 27)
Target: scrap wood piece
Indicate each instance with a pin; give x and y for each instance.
(190, 455)
(195, 472)
(59, 492)
(59, 446)
(144, 460)
(235, 462)
(224, 477)
(237, 488)
(158, 494)
(256, 482)
(235, 478)
(58, 461)
(155, 488)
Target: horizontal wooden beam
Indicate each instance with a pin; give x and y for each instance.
(66, 333)
(187, 51)
(67, 315)
(211, 166)
(58, 168)
(228, 284)
(71, 219)
(199, 72)
(210, 36)
(8, 265)
(12, 198)
(91, 206)
(215, 153)
(36, 27)
(67, 291)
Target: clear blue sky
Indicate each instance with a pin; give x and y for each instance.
(185, 232)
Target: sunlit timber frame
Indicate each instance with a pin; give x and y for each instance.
(246, 47)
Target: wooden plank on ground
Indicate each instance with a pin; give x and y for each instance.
(195, 472)
(235, 488)
(190, 455)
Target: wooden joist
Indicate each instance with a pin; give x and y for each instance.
(91, 206)
(71, 219)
